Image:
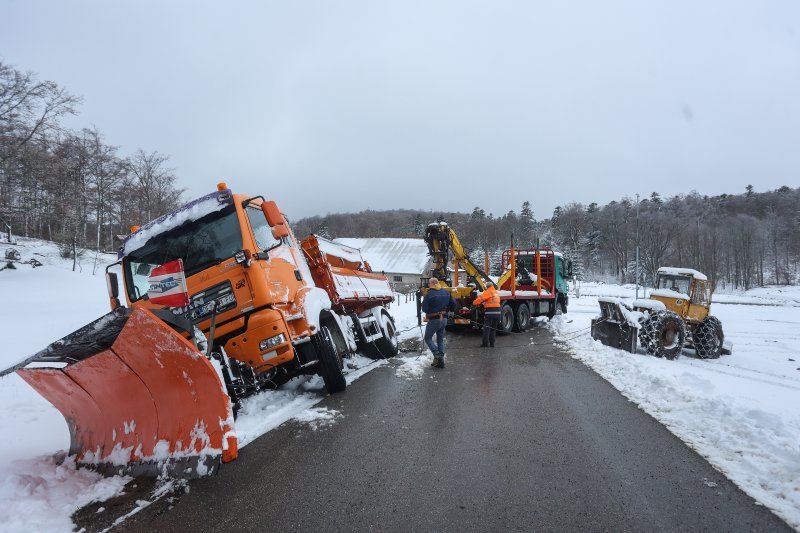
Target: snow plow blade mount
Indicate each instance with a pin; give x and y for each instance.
(138, 398)
(612, 327)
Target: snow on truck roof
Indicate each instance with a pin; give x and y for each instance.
(671, 271)
(401, 256)
(194, 210)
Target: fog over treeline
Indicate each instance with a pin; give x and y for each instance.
(740, 240)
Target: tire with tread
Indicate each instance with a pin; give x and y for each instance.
(708, 338)
(506, 323)
(644, 334)
(522, 317)
(387, 346)
(330, 364)
(663, 334)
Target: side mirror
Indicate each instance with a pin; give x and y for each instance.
(280, 231)
(275, 219)
(112, 284)
(272, 213)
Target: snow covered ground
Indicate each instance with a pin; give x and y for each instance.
(742, 411)
(43, 304)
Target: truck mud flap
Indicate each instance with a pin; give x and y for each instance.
(619, 335)
(138, 398)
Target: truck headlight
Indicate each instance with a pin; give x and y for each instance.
(266, 344)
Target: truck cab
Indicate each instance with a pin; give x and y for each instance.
(249, 280)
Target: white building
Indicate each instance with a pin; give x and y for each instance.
(404, 261)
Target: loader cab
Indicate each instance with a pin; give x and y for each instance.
(687, 294)
(680, 284)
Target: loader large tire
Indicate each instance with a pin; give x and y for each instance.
(644, 333)
(708, 338)
(506, 323)
(330, 364)
(663, 334)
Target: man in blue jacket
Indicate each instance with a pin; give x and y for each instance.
(435, 306)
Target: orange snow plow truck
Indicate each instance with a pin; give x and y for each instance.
(148, 389)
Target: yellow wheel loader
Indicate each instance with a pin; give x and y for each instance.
(676, 315)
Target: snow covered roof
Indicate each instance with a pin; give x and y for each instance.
(682, 272)
(401, 256)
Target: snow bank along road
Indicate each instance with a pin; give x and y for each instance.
(516, 438)
(741, 411)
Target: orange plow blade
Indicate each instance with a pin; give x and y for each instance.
(137, 397)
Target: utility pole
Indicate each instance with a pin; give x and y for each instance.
(637, 247)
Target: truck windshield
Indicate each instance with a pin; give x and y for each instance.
(200, 243)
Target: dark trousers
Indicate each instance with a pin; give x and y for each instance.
(435, 327)
(490, 321)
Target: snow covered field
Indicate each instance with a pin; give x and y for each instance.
(741, 411)
(43, 304)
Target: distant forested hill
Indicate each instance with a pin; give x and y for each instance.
(741, 240)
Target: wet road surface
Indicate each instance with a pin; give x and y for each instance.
(517, 438)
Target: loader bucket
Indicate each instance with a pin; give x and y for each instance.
(137, 397)
(613, 328)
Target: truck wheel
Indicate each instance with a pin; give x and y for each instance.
(708, 338)
(386, 346)
(506, 323)
(552, 309)
(522, 317)
(330, 364)
(665, 333)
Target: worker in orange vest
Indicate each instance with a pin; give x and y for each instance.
(490, 299)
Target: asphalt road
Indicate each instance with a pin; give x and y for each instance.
(516, 438)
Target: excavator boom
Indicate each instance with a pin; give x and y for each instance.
(442, 241)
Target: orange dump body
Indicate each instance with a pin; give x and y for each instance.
(349, 281)
(136, 396)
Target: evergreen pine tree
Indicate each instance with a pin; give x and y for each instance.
(322, 229)
(419, 226)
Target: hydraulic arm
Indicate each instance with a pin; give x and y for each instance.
(441, 241)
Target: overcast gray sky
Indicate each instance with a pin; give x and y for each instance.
(339, 106)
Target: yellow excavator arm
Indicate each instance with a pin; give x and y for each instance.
(441, 241)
